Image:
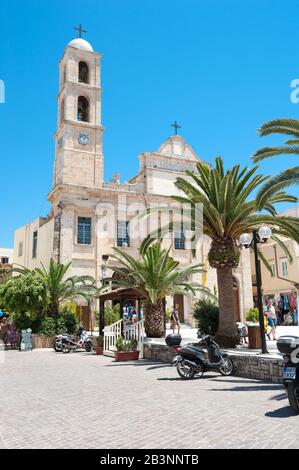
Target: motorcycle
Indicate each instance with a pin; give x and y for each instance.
(289, 347)
(66, 343)
(57, 342)
(191, 359)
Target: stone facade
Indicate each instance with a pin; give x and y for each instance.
(79, 190)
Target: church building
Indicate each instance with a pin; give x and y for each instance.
(89, 215)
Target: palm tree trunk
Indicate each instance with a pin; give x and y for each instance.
(227, 335)
(154, 320)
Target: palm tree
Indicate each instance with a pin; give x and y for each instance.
(58, 287)
(289, 176)
(155, 275)
(229, 209)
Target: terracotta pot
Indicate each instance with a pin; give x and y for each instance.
(99, 350)
(126, 355)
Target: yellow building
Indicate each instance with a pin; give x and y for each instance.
(282, 283)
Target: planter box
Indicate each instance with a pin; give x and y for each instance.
(99, 350)
(41, 341)
(254, 337)
(126, 355)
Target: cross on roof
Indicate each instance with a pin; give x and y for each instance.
(176, 127)
(80, 30)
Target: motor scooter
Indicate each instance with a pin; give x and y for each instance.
(69, 343)
(191, 359)
(288, 346)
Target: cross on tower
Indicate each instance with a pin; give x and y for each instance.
(176, 127)
(80, 30)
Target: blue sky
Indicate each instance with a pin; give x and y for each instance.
(219, 67)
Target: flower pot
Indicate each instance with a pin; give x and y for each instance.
(99, 350)
(126, 355)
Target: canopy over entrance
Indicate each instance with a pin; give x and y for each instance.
(120, 296)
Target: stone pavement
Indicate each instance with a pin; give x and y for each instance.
(80, 400)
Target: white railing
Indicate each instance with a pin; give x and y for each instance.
(111, 334)
(136, 331)
(114, 331)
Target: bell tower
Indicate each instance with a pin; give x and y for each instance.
(78, 149)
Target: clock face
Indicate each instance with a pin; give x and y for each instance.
(83, 139)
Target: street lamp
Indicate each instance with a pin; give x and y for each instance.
(248, 239)
(101, 313)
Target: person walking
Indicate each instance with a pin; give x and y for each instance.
(175, 319)
(272, 319)
(4, 327)
(12, 335)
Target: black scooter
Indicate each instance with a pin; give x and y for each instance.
(289, 347)
(191, 359)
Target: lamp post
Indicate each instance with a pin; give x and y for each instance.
(247, 240)
(101, 313)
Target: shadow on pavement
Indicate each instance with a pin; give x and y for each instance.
(237, 380)
(285, 412)
(281, 396)
(149, 365)
(171, 379)
(250, 388)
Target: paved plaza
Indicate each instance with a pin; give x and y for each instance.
(80, 400)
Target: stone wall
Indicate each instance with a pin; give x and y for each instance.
(258, 367)
(41, 341)
(246, 365)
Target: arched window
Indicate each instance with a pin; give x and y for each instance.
(83, 72)
(62, 111)
(83, 109)
(64, 73)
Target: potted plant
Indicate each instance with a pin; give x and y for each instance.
(99, 345)
(126, 350)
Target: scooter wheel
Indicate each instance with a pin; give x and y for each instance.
(227, 366)
(88, 346)
(185, 371)
(57, 346)
(293, 396)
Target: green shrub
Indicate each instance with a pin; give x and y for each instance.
(70, 322)
(206, 312)
(48, 326)
(126, 346)
(69, 307)
(60, 325)
(112, 314)
(133, 344)
(252, 315)
(120, 344)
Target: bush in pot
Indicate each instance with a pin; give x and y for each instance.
(252, 316)
(126, 350)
